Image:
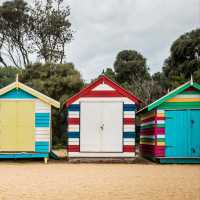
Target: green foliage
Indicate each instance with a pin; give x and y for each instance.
(58, 81)
(130, 65)
(7, 75)
(132, 73)
(184, 59)
(110, 74)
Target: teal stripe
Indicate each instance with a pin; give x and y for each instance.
(42, 120)
(42, 146)
(25, 155)
(17, 94)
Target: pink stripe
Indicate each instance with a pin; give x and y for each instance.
(160, 131)
(160, 152)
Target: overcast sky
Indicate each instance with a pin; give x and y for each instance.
(105, 27)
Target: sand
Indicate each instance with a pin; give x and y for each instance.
(59, 180)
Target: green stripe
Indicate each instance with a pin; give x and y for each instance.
(160, 140)
(160, 125)
(147, 126)
(146, 139)
(177, 105)
(179, 90)
(152, 126)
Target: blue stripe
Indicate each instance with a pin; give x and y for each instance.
(42, 114)
(128, 135)
(17, 94)
(74, 107)
(42, 143)
(42, 119)
(25, 155)
(42, 146)
(129, 107)
(73, 134)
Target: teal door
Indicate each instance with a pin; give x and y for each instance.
(176, 133)
(195, 132)
(182, 133)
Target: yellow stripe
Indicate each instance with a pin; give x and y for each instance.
(160, 143)
(184, 100)
(160, 115)
(150, 143)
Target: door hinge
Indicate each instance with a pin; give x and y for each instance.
(193, 150)
(169, 146)
(168, 117)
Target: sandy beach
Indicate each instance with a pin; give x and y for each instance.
(60, 180)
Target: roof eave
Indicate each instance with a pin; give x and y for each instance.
(172, 94)
(31, 91)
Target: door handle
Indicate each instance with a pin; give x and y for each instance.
(192, 121)
(193, 150)
(102, 127)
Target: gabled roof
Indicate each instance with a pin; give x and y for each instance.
(111, 86)
(170, 95)
(31, 91)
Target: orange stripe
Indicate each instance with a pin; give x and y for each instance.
(184, 100)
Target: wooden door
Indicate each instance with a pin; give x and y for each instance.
(17, 126)
(101, 127)
(177, 133)
(8, 121)
(195, 133)
(25, 126)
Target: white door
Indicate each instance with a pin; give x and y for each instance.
(101, 127)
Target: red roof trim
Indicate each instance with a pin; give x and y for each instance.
(102, 79)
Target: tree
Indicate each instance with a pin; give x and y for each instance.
(13, 33)
(110, 73)
(7, 75)
(27, 31)
(160, 86)
(132, 73)
(50, 30)
(184, 59)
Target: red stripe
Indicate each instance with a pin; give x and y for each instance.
(106, 80)
(159, 118)
(190, 89)
(152, 119)
(128, 148)
(73, 148)
(129, 121)
(73, 121)
(102, 93)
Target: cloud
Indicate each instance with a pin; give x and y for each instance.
(103, 28)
